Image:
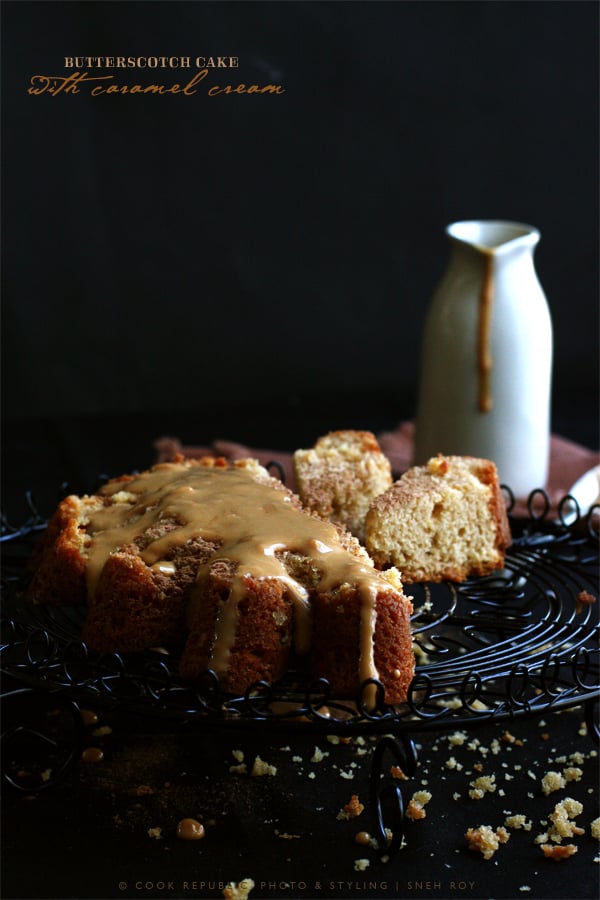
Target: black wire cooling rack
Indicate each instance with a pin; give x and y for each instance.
(521, 641)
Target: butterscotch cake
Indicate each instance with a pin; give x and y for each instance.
(340, 476)
(442, 521)
(220, 562)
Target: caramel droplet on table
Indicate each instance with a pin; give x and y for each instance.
(88, 716)
(190, 830)
(92, 755)
(363, 837)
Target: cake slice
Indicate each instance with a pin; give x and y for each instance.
(340, 476)
(444, 521)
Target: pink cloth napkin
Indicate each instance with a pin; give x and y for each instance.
(568, 460)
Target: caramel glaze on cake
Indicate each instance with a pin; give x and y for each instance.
(221, 561)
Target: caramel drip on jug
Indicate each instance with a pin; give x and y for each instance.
(484, 349)
(253, 523)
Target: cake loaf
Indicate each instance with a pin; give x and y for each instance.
(221, 563)
(443, 521)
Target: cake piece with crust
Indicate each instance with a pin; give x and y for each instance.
(220, 562)
(340, 476)
(444, 521)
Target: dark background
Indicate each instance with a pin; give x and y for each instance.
(195, 255)
(259, 268)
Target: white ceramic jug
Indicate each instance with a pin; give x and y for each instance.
(486, 359)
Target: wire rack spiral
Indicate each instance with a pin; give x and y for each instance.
(521, 641)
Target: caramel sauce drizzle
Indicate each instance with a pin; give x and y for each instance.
(253, 523)
(484, 351)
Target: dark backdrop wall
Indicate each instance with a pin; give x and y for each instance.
(173, 253)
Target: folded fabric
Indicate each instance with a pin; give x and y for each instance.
(568, 460)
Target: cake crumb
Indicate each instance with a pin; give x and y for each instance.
(318, 755)
(517, 822)
(239, 891)
(584, 598)
(452, 703)
(260, 767)
(561, 819)
(486, 840)
(509, 738)
(415, 809)
(552, 781)
(155, 833)
(360, 865)
(142, 790)
(485, 784)
(479, 704)
(595, 828)
(438, 465)
(352, 809)
(556, 852)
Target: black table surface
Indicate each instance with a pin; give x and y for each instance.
(90, 835)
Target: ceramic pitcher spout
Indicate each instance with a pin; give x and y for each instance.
(493, 235)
